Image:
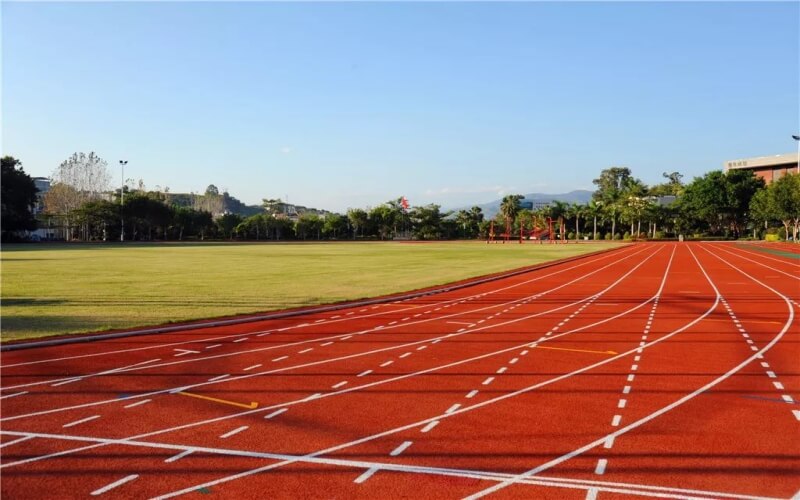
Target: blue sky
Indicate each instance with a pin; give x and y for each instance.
(350, 104)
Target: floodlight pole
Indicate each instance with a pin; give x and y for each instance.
(797, 138)
(122, 164)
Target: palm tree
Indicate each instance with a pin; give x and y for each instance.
(576, 210)
(509, 207)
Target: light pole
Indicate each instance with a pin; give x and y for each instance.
(122, 164)
(797, 138)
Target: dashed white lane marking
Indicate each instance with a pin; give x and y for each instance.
(787, 398)
(513, 361)
(626, 389)
(422, 348)
(765, 364)
(621, 403)
(778, 385)
(400, 449)
(319, 321)
(279, 359)
(213, 346)
(219, 377)
(336, 317)
(346, 338)
(87, 419)
(453, 408)
(364, 373)
(25, 438)
(275, 413)
(631, 377)
(305, 350)
(601, 466)
(523, 353)
(113, 485)
(235, 431)
(184, 352)
(366, 475)
(177, 457)
(405, 355)
(137, 403)
(14, 395)
(393, 323)
(239, 340)
(386, 363)
(488, 381)
(430, 426)
(340, 384)
(796, 414)
(634, 368)
(350, 313)
(771, 374)
(609, 442)
(615, 420)
(591, 494)
(502, 369)
(251, 367)
(326, 344)
(472, 393)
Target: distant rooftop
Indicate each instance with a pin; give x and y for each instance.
(762, 161)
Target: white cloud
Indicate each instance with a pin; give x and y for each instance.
(286, 150)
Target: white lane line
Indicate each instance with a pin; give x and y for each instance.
(601, 466)
(631, 377)
(615, 420)
(433, 424)
(591, 494)
(184, 352)
(386, 363)
(137, 403)
(326, 344)
(219, 377)
(523, 353)
(251, 367)
(513, 361)
(422, 348)
(316, 395)
(626, 389)
(14, 395)
(87, 419)
(68, 381)
(177, 457)
(347, 338)
(279, 359)
(460, 323)
(275, 413)
(340, 384)
(609, 442)
(366, 475)
(453, 408)
(400, 449)
(305, 350)
(235, 431)
(488, 381)
(796, 414)
(634, 368)
(350, 313)
(501, 370)
(24, 438)
(771, 374)
(213, 346)
(765, 364)
(319, 321)
(405, 355)
(621, 403)
(364, 373)
(239, 340)
(263, 334)
(787, 398)
(115, 484)
(472, 393)
(336, 317)
(778, 385)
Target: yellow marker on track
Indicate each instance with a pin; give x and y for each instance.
(252, 406)
(576, 350)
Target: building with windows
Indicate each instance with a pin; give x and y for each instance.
(769, 168)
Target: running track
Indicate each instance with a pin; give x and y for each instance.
(657, 370)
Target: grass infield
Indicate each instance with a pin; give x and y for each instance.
(56, 289)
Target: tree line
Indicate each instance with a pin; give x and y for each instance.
(733, 204)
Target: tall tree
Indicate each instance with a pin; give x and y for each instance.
(509, 207)
(787, 202)
(18, 198)
(611, 187)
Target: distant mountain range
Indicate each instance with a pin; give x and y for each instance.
(578, 196)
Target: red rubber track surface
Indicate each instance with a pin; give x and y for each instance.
(665, 370)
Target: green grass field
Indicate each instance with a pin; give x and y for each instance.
(55, 289)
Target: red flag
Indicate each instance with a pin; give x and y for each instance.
(404, 203)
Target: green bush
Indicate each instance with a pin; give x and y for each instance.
(772, 237)
(616, 236)
(626, 236)
(608, 236)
